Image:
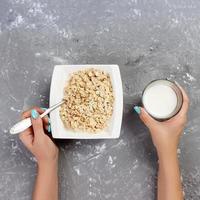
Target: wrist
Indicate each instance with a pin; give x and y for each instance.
(45, 164)
(47, 168)
(167, 156)
(167, 151)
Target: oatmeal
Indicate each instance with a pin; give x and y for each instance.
(89, 101)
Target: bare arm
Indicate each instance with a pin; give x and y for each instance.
(165, 136)
(169, 182)
(46, 185)
(46, 153)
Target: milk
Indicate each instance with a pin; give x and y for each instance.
(160, 99)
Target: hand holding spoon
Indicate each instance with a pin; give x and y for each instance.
(26, 123)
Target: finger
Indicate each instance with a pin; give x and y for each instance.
(49, 128)
(185, 105)
(145, 117)
(27, 138)
(27, 114)
(37, 124)
(45, 119)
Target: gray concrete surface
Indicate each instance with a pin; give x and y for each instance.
(148, 39)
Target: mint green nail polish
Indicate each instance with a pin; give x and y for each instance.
(49, 128)
(44, 108)
(34, 114)
(137, 109)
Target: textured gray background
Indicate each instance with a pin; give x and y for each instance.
(148, 39)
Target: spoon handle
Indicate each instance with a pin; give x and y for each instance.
(26, 123)
(51, 109)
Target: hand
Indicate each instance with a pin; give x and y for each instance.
(166, 135)
(35, 139)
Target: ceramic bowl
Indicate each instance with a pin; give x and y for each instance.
(61, 75)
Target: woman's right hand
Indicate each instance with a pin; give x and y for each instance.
(166, 135)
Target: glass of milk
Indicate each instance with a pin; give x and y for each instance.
(162, 99)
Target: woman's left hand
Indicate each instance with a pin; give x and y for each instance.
(36, 140)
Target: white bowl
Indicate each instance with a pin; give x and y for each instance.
(60, 76)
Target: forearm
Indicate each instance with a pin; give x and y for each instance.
(169, 179)
(46, 185)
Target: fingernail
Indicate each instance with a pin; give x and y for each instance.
(43, 108)
(34, 114)
(49, 128)
(137, 109)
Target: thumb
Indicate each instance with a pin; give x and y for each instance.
(37, 124)
(145, 117)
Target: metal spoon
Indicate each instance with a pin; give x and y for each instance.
(26, 123)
